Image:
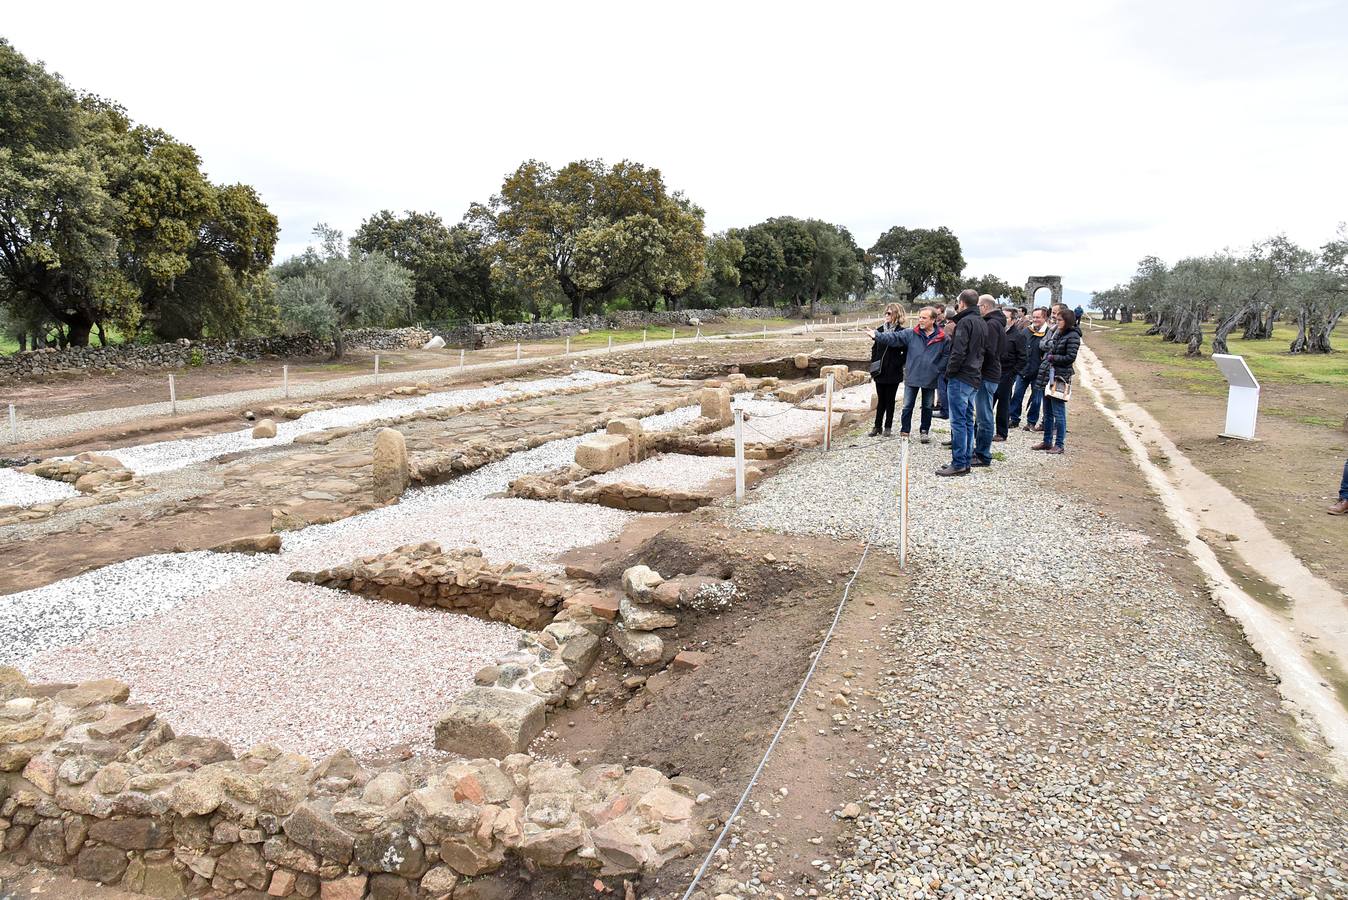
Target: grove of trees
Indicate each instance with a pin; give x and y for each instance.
(107, 225)
(1274, 280)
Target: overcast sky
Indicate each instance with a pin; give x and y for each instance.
(1053, 138)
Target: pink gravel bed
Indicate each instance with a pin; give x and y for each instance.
(307, 668)
(673, 470)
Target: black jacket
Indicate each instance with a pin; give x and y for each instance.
(965, 362)
(1060, 356)
(891, 358)
(1013, 356)
(995, 323)
(1033, 354)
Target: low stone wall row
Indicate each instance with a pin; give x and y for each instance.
(180, 354)
(492, 333)
(102, 786)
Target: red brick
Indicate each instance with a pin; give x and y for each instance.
(603, 604)
(689, 659)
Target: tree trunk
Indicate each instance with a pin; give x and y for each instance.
(77, 332)
(1125, 314)
(338, 343)
(1228, 325)
(102, 338)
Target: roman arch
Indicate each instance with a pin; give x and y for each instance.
(1035, 282)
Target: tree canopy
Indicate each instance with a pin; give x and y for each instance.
(924, 258)
(103, 221)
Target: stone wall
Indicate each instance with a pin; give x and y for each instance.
(461, 580)
(180, 354)
(91, 782)
(491, 333)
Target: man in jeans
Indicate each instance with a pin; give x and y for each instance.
(1029, 373)
(994, 327)
(964, 378)
(1341, 508)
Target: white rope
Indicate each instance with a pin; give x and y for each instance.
(790, 710)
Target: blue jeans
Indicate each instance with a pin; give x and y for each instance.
(942, 396)
(960, 400)
(983, 429)
(909, 400)
(1055, 421)
(1036, 405)
(1343, 485)
(1018, 399)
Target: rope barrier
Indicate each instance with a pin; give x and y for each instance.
(791, 709)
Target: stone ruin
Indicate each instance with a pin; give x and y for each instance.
(1052, 282)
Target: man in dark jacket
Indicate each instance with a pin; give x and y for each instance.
(1029, 372)
(1013, 359)
(994, 324)
(964, 379)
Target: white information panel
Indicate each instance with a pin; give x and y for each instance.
(1242, 397)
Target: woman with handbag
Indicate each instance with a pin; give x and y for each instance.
(1055, 377)
(887, 370)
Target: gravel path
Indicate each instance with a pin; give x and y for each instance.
(21, 489)
(772, 420)
(163, 456)
(1081, 729)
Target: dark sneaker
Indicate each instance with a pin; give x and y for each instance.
(1339, 509)
(947, 471)
(979, 462)
(874, 432)
(947, 444)
(926, 439)
(1054, 450)
(888, 432)
(1041, 446)
(998, 438)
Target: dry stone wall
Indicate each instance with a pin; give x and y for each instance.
(91, 782)
(180, 354)
(492, 333)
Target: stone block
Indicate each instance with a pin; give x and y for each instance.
(602, 603)
(645, 617)
(604, 452)
(490, 722)
(635, 434)
(715, 404)
(391, 472)
(839, 374)
(689, 659)
(799, 392)
(801, 361)
(101, 863)
(640, 582)
(641, 648)
(256, 543)
(264, 429)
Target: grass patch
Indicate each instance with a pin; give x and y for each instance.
(658, 334)
(1268, 360)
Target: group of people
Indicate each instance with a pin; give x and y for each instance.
(975, 364)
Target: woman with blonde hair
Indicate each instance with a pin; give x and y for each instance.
(887, 369)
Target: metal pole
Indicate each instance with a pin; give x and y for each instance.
(568, 345)
(376, 368)
(13, 426)
(828, 411)
(461, 355)
(285, 382)
(903, 508)
(173, 397)
(610, 343)
(739, 454)
(517, 351)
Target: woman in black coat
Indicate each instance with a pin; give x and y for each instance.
(887, 371)
(1060, 357)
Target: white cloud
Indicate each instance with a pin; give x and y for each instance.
(1052, 137)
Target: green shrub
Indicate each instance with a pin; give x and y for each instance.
(196, 358)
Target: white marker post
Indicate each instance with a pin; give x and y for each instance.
(903, 508)
(643, 337)
(13, 426)
(828, 411)
(462, 353)
(673, 333)
(739, 454)
(173, 397)
(765, 331)
(285, 382)
(1242, 397)
(376, 368)
(517, 351)
(610, 343)
(568, 346)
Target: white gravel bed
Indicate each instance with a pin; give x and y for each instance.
(1050, 695)
(767, 421)
(163, 456)
(672, 470)
(62, 613)
(21, 489)
(857, 398)
(307, 668)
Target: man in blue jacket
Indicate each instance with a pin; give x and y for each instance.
(964, 378)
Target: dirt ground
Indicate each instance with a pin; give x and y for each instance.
(1290, 476)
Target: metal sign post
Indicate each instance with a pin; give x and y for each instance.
(1242, 396)
(739, 454)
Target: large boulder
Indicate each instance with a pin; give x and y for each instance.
(643, 617)
(632, 430)
(716, 405)
(391, 473)
(490, 722)
(264, 429)
(642, 648)
(435, 343)
(604, 452)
